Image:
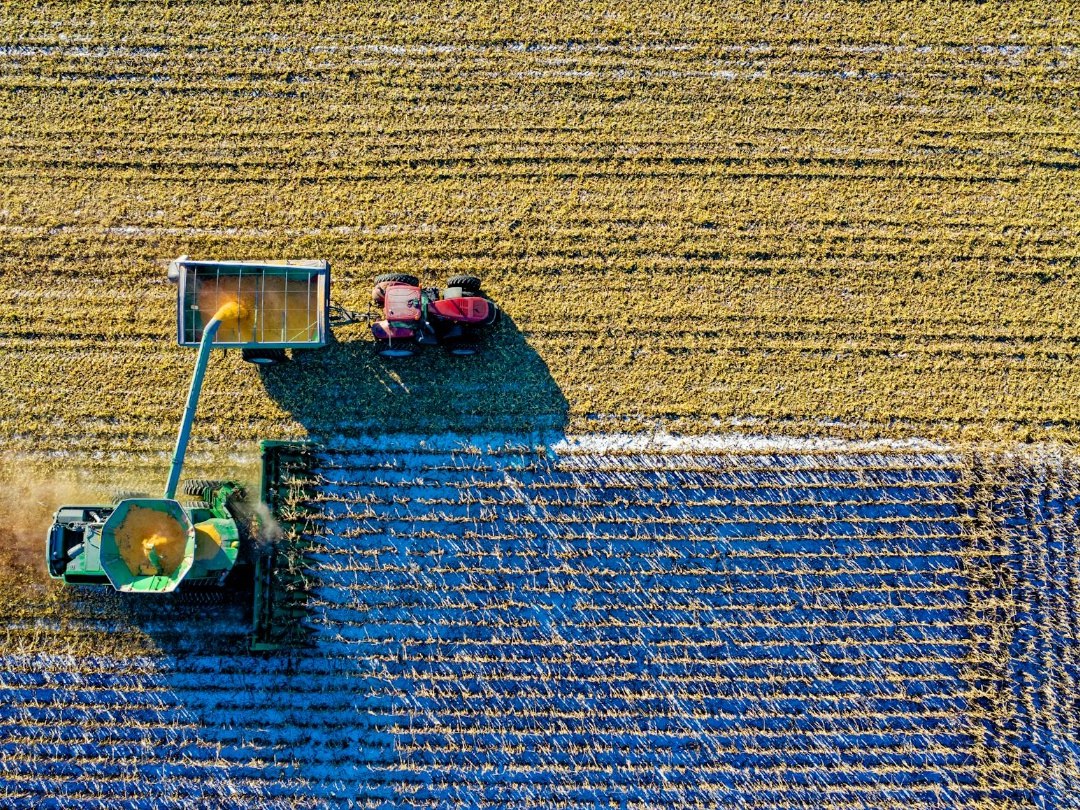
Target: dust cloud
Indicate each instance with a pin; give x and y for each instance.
(28, 501)
(269, 530)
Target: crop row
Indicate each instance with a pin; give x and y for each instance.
(880, 27)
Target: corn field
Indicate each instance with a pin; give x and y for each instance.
(762, 494)
(845, 218)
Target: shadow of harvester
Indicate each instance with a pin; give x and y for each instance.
(346, 388)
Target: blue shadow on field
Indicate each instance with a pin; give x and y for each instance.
(345, 388)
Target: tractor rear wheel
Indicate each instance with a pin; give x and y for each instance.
(469, 284)
(264, 357)
(197, 486)
(402, 278)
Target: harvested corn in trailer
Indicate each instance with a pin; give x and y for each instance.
(150, 542)
(272, 309)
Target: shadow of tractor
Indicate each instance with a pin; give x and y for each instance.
(346, 389)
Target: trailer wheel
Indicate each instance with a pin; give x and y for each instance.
(469, 284)
(264, 357)
(197, 486)
(197, 505)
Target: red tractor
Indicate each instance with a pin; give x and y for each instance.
(415, 315)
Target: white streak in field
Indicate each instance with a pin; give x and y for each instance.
(560, 443)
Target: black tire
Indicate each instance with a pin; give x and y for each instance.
(198, 597)
(404, 278)
(197, 505)
(396, 351)
(469, 284)
(264, 357)
(125, 494)
(463, 349)
(197, 486)
(493, 315)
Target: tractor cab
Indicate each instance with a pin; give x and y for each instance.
(413, 315)
(403, 303)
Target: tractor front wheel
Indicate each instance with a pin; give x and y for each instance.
(468, 284)
(396, 351)
(264, 357)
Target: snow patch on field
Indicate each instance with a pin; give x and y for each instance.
(660, 442)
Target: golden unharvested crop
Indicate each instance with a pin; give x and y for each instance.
(150, 542)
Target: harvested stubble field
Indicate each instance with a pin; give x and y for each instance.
(857, 216)
(853, 220)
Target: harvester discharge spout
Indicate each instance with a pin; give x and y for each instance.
(230, 313)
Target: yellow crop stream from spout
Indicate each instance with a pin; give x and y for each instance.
(234, 315)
